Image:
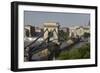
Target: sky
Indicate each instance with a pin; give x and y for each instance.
(37, 18)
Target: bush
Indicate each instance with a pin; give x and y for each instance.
(76, 53)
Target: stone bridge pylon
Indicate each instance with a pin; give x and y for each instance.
(52, 30)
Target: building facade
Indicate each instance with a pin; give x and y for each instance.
(78, 31)
(29, 31)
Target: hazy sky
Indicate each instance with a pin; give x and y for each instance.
(64, 19)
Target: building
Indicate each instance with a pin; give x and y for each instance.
(37, 29)
(29, 31)
(72, 32)
(81, 30)
(65, 29)
(78, 31)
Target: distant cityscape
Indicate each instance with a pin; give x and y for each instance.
(49, 41)
(74, 31)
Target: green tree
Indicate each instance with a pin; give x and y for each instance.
(86, 35)
(63, 35)
(76, 53)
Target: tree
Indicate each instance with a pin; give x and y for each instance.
(63, 35)
(86, 35)
(76, 53)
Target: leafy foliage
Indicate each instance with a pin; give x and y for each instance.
(76, 53)
(86, 35)
(63, 35)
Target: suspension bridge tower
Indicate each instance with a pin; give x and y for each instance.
(51, 29)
